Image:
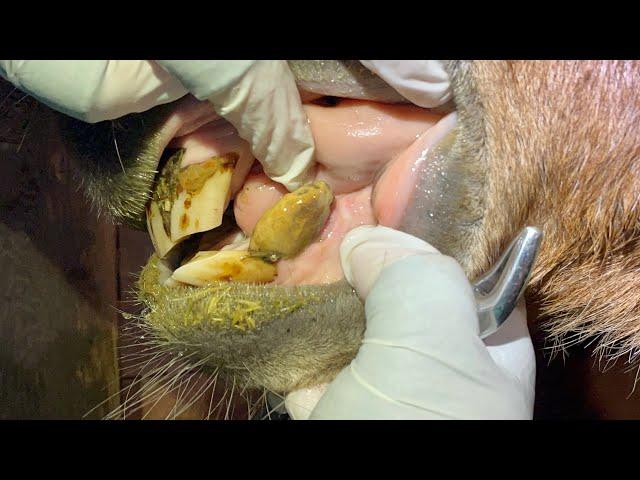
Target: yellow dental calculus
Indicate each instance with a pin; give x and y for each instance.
(188, 200)
(225, 265)
(292, 223)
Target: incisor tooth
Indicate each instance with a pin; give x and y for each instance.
(188, 200)
(227, 265)
(292, 223)
(155, 226)
(203, 195)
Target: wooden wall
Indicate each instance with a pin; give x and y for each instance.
(58, 276)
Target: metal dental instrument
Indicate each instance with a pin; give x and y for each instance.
(498, 291)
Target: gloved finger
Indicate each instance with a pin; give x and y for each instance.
(402, 277)
(366, 250)
(421, 356)
(423, 82)
(261, 100)
(94, 90)
(510, 348)
(300, 403)
(512, 351)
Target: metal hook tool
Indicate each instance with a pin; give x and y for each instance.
(498, 291)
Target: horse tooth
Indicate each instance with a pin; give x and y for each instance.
(292, 223)
(224, 265)
(188, 200)
(203, 193)
(155, 226)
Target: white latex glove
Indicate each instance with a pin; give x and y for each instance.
(421, 356)
(94, 90)
(422, 82)
(258, 97)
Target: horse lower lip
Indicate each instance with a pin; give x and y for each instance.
(256, 333)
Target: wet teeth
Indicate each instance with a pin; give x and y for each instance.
(188, 200)
(155, 226)
(226, 265)
(292, 223)
(203, 196)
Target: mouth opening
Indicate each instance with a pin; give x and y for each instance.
(283, 322)
(379, 193)
(304, 325)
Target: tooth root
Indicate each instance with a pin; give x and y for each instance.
(202, 196)
(228, 265)
(155, 226)
(292, 223)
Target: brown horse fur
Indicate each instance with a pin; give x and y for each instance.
(561, 145)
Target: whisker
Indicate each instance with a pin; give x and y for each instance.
(113, 132)
(176, 378)
(205, 386)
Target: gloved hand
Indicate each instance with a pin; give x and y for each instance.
(94, 90)
(421, 357)
(259, 98)
(423, 82)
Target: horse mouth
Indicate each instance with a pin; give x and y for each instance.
(280, 320)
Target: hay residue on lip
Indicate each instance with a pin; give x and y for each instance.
(270, 336)
(224, 305)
